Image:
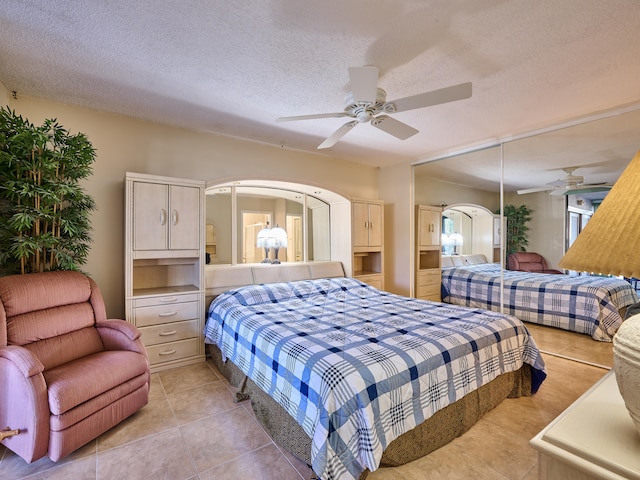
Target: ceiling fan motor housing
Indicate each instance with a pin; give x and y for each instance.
(364, 111)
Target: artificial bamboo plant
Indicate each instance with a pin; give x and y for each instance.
(44, 212)
(517, 237)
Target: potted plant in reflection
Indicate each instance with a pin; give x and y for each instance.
(44, 212)
(516, 230)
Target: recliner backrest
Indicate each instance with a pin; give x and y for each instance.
(526, 262)
(52, 314)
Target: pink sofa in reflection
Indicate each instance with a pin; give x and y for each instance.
(67, 373)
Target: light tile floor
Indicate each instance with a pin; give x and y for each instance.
(192, 429)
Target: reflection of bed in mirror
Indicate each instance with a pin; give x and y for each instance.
(585, 304)
(339, 372)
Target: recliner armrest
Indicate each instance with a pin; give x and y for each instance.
(25, 361)
(120, 335)
(122, 326)
(25, 406)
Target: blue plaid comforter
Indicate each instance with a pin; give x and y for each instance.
(585, 304)
(357, 367)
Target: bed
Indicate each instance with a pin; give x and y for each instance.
(590, 305)
(348, 377)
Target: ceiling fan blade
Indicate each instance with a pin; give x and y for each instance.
(435, 97)
(337, 135)
(312, 116)
(393, 127)
(534, 190)
(583, 189)
(364, 83)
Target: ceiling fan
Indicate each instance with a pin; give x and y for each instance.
(570, 184)
(367, 103)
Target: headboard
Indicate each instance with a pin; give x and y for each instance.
(462, 260)
(220, 278)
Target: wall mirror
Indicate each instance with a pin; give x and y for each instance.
(473, 229)
(237, 212)
(467, 187)
(598, 149)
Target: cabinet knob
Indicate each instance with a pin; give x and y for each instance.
(163, 216)
(174, 217)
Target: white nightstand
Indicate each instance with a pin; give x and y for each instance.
(594, 438)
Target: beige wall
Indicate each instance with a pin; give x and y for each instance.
(397, 193)
(125, 144)
(4, 95)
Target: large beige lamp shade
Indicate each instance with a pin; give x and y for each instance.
(610, 242)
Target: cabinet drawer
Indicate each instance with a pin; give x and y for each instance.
(428, 290)
(169, 332)
(430, 277)
(158, 314)
(166, 352)
(376, 281)
(165, 300)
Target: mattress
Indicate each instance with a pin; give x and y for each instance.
(357, 367)
(585, 304)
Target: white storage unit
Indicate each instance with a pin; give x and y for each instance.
(164, 266)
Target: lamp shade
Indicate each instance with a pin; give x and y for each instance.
(610, 242)
(456, 239)
(278, 237)
(263, 237)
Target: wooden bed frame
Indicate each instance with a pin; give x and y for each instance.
(435, 432)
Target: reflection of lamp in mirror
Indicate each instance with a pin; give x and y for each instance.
(609, 245)
(456, 241)
(277, 240)
(264, 242)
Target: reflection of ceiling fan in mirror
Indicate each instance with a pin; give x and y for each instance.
(366, 103)
(570, 184)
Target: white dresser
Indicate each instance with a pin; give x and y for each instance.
(164, 267)
(594, 438)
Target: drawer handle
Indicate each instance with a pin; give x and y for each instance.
(167, 334)
(169, 300)
(168, 314)
(170, 352)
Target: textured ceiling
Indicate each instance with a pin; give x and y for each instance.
(234, 67)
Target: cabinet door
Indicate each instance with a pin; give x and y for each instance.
(375, 225)
(184, 219)
(429, 224)
(360, 224)
(150, 216)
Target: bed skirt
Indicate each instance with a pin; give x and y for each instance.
(438, 430)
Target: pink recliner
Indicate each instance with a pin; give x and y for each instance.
(67, 374)
(529, 262)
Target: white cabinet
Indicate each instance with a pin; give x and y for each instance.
(164, 266)
(428, 276)
(367, 228)
(164, 217)
(367, 224)
(594, 439)
(429, 226)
